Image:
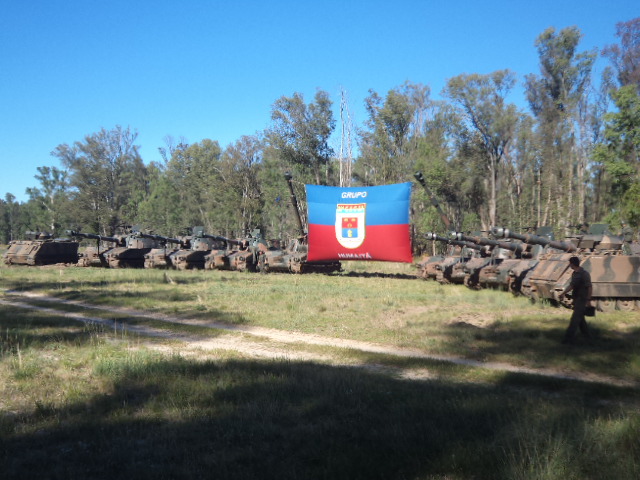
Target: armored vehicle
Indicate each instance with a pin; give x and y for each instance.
(536, 245)
(160, 257)
(94, 256)
(41, 248)
(615, 275)
(493, 250)
(245, 257)
(293, 259)
(195, 248)
(220, 257)
(131, 255)
(458, 252)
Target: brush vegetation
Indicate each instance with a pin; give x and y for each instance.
(89, 401)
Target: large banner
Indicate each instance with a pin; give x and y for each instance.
(359, 223)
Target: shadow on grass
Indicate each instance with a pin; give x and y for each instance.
(605, 353)
(238, 420)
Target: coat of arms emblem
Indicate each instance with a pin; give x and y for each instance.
(350, 225)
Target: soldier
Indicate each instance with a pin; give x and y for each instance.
(627, 232)
(581, 287)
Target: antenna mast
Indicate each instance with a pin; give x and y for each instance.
(345, 140)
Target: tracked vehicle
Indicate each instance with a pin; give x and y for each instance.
(536, 245)
(194, 250)
(441, 267)
(94, 256)
(41, 248)
(293, 259)
(131, 255)
(159, 257)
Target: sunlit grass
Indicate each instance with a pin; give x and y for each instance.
(374, 302)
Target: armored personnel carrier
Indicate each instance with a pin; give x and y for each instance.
(41, 248)
(94, 256)
(615, 275)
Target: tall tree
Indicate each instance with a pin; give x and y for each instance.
(300, 134)
(106, 171)
(625, 56)
(554, 96)
(620, 153)
(52, 198)
(394, 127)
(482, 99)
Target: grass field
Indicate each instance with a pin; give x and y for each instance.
(89, 401)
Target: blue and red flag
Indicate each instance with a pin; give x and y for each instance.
(359, 223)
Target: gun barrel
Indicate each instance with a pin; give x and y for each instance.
(93, 236)
(533, 239)
(159, 238)
(294, 202)
(461, 243)
(434, 201)
(514, 247)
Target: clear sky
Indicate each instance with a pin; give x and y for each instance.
(199, 69)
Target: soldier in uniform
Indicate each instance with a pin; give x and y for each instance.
(581, 287)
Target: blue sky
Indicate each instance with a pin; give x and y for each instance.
(212, 69)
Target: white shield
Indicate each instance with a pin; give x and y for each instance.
(350, 226)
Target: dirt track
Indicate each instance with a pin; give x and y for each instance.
(261, 342)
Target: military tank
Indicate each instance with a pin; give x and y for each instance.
(40, 248)
(492, 251)
(293, 259)
(94, 256)
(615, 275)
(458, 252)
(160, 257)
(220, 258)
(196, 248)
(245, 257)
(536, 245)
(131, 255)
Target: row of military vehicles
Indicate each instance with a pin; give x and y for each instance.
(200, 250)
(536, 265)
(533, 264)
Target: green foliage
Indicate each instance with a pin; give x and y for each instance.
(104, 172)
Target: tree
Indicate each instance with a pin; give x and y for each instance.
(51, 198)
(620, 152)
(554, 96)
(625, 57)
(394, 127)
(300, 135)
(482, 99)
(241, 197)
(106, 171)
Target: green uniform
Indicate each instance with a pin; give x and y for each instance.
(581, 283)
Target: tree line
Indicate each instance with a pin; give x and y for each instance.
(572, 157)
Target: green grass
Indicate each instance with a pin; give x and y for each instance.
(89, 401)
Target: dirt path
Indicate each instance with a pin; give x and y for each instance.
(271, 343)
